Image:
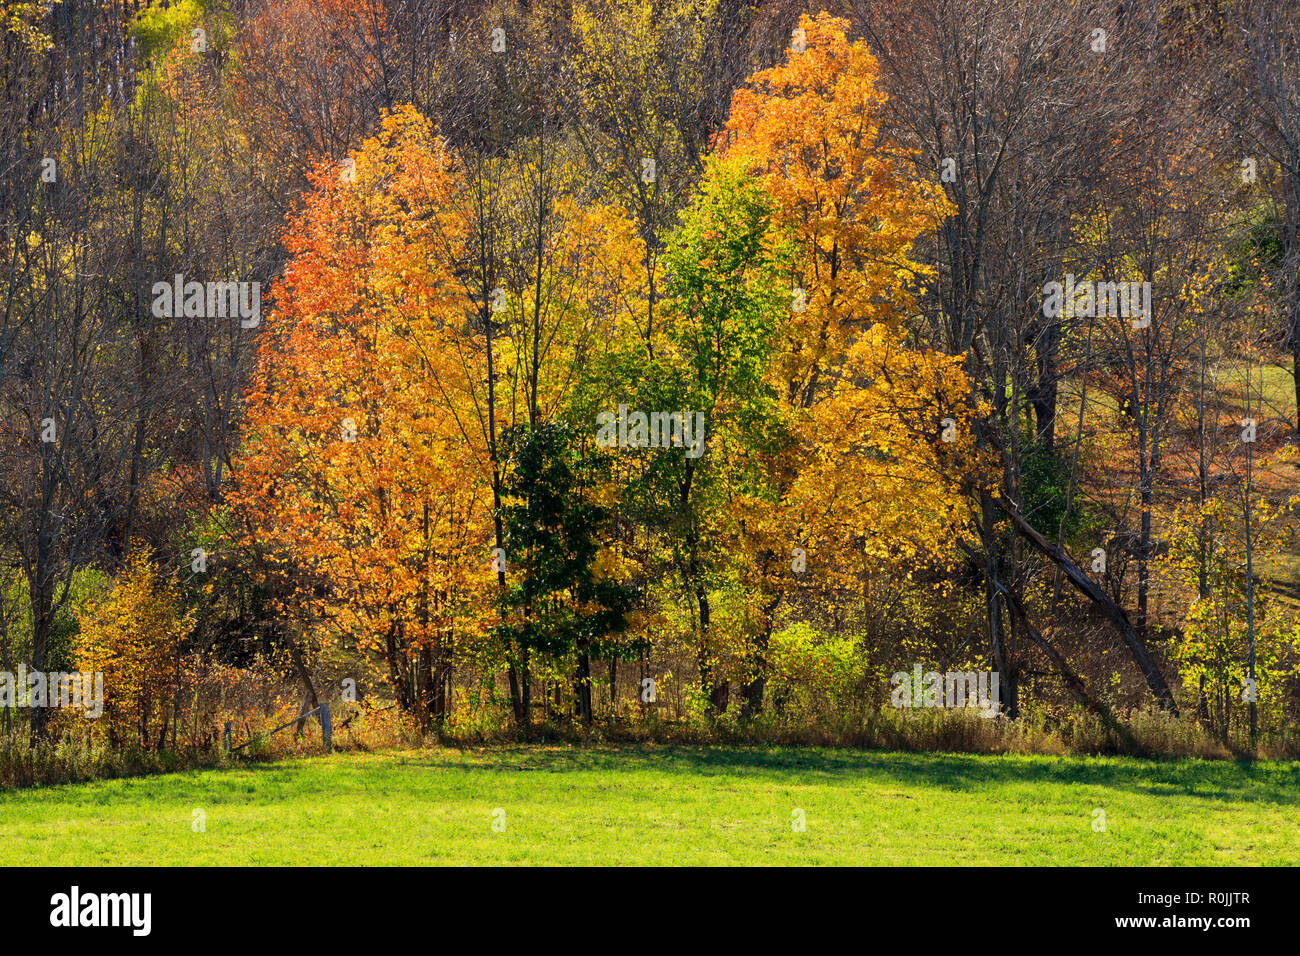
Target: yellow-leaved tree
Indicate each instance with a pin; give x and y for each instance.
(880, 427)
(133, 637)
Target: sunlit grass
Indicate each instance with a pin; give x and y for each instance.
(685, 805)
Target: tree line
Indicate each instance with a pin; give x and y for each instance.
(619, 354)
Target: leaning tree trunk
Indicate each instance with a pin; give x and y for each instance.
(1114, 613)
(309, 688)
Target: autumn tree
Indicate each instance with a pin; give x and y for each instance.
(133, 636)
(638, 84)
(845, 195)
(355, 461)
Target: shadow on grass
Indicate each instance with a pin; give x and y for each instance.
(378, 772)
(1219, 780)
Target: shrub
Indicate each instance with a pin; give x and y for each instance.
(133, 635)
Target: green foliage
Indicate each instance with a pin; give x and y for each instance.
(157, 28)
(725, 297)
(817, 674)
(85, 585)
(1256, 253)
(725, 291)
(558, 601)
(1044, 485)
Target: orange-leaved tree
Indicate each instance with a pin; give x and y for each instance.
(359, 473)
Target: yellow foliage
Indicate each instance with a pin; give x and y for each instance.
(133, 637)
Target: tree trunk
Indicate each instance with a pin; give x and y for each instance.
(613, 686)
(715, 693)
(582, 686)
(1114, 613)
(295, 655)
(756, 686)
(993, 610)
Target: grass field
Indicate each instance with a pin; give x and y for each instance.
(683, 805)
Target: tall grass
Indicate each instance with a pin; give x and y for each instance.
(76, 755)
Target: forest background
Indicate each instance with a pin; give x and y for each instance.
(481, 232)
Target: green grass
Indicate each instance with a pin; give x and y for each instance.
(687, 805)
(1272, 388)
